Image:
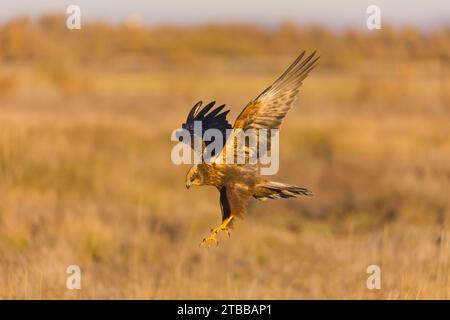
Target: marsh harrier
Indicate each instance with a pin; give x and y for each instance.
(238, 183)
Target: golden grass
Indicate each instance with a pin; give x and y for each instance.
(86, 179)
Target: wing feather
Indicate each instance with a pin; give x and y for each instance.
(269, 108)
(211, 118)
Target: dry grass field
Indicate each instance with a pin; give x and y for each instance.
(86, 176)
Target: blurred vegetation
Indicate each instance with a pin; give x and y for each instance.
(47, 39)
(86, 176)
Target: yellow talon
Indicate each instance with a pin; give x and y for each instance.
(209, 239)
(212, 237)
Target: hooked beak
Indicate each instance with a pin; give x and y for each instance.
(188, 184)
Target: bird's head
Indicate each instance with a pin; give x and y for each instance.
(194, 177)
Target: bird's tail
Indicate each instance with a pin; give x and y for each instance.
(277, 190)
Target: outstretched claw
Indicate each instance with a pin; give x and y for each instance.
(212, 237)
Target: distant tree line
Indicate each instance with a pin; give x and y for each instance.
(47, 39)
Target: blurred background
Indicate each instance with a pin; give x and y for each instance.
(85, 170)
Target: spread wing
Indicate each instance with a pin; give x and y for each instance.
(268, 110)
(210, 118)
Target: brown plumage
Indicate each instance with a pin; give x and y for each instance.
(238, 183)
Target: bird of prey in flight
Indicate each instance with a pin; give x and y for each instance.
(238, 183)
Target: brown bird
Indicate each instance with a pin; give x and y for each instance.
(238, 183)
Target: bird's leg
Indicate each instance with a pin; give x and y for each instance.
(223, 227)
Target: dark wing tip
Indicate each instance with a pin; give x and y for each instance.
(205, 110)
(211, 118)
(193, 111)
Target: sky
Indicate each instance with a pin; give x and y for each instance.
(339, 14)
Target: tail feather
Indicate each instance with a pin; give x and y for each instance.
(278, 190)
